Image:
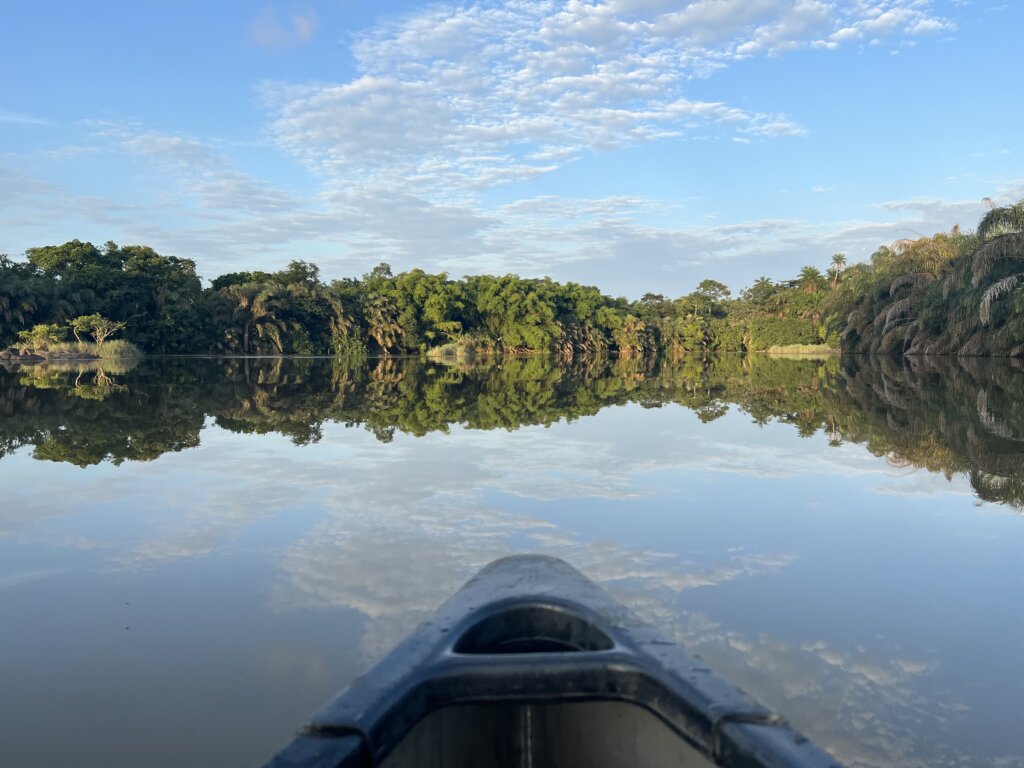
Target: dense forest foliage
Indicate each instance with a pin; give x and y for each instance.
(163, 308)
(954, 417)
(952, 293)
(956, 293)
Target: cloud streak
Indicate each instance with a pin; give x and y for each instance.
(268, 31)
(18, 118)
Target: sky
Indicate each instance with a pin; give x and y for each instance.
(636, 145)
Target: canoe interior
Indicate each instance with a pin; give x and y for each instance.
(569, 735)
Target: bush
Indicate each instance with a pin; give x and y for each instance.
(42, 337)
(118, 348)
(768, 332)
(108, 350)
(727, 335)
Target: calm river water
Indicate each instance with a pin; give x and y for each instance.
(195, 554)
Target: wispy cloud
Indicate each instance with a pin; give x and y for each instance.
(269, 31)
(18, 118)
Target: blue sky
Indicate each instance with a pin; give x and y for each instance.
(639, 145)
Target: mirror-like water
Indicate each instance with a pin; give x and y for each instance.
(194, 554)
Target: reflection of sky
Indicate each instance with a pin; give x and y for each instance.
(876, 607)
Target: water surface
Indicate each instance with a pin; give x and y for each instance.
(194, 554)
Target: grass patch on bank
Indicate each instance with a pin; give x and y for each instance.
(802, 349)
(463, 348)
(108, 350)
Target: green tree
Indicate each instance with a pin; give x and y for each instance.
(97, 326)
(838, 265)
(760, 294)
(810, 280)
(712, 293)
(41, 336)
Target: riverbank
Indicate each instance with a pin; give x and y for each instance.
(117, 349)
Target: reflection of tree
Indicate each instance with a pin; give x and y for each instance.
(86, 414)
(963, 417)
(955, 418)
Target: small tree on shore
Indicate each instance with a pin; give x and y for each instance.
(42, 336)
(97, 326)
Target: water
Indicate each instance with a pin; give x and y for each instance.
(195, 554)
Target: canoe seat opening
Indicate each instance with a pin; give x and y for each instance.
(532, 629)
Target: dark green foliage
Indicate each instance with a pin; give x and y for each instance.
(155, 296)
(164, 309)
(767, 332)
(953, 293)
(728, 336)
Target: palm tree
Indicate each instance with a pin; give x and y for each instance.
(838, 265)
(810, 279)
(16, 303)
(1001, 232)
(242, 297)
(1006, 220)
(382, 318)
(341, 322)
(272, 314)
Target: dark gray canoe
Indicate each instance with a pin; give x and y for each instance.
(531, 664)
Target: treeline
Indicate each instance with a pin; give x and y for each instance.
(955, 417)
(161, 306)
(951, 293)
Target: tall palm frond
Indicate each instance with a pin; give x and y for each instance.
(899, 313)
(910, 280)
(994, 292)
(1001, 221)
(1008, 246)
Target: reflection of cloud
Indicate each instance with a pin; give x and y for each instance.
(9, 580)
(228, 499)
(865, 706)
(38, 492)
(396, 564)
(430, 490)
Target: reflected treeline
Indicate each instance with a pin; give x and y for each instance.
(951, 416)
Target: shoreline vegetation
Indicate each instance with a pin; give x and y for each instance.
(73, 352)
(957, 293)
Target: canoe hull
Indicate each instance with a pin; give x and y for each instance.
(532, 664)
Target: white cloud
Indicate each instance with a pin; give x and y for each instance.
(926, 26)
(453, 100)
